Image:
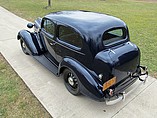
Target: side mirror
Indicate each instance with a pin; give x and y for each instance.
(30, 25)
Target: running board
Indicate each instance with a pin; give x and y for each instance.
(45, 62)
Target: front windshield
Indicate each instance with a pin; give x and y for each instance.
(114, 35)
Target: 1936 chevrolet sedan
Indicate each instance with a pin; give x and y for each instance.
(92, 51)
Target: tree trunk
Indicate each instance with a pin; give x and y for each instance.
(49, 3)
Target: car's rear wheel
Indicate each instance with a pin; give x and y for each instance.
(71, 82)
(23, 46)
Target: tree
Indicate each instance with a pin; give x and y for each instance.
(49, 3)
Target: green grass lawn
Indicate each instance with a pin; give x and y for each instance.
(141, 18)
(16, 100)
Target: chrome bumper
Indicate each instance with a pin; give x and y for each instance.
(121, 96)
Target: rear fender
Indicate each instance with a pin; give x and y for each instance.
(90, 84)
(31, 41)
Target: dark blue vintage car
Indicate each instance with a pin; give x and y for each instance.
(92, 51)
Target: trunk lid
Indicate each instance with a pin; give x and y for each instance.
(118, 61)
(125, 60)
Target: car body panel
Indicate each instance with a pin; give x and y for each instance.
(29, 41)
(87, 23)
(89, 81)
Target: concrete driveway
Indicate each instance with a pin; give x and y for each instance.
(50, 89)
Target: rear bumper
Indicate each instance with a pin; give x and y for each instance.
(142, 77)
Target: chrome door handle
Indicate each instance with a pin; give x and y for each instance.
(52, 44)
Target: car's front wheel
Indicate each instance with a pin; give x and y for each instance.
(71, 82)
(23, 46)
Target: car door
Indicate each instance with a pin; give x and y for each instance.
(48, 31)
(69, 44)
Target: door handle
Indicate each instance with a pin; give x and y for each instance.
(52, 44)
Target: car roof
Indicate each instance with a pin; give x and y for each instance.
(86, 22)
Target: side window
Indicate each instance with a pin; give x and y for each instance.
(49, 26)
(70, 36)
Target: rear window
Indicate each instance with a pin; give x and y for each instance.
(114, 35)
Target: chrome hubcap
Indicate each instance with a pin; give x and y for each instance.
(71, 81)
(23, 45)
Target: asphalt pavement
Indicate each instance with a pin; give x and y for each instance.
(51, 92)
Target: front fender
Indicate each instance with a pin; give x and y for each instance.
(90, 84)
(30, 40)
